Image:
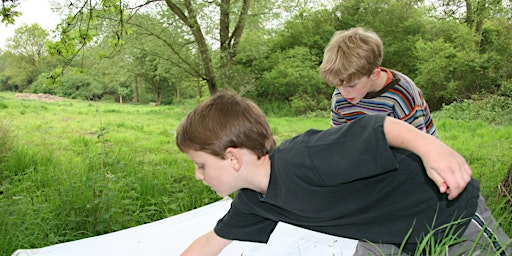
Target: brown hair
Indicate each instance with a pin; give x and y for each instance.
(350, 55)
(225, 120)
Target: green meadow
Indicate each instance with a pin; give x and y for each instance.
(74, 169)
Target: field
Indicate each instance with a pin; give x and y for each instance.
(73, 169)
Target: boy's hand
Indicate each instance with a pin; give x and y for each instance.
(447, 169)
(208, 244)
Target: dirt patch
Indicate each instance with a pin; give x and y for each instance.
(37, 96)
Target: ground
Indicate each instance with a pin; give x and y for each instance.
(37, 96)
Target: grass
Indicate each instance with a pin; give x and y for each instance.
(75, 169)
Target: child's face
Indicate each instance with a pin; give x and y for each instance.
(355, 91)
(214, 172)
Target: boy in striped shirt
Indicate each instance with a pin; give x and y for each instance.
(351, 64)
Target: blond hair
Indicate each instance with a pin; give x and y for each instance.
(350, 55)
(225, 120)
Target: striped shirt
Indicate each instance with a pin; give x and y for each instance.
(399, 98)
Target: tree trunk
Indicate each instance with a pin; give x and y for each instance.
(178, 93)
(199, 89)
(476, 12)
(505, 186)
(470, 15)
(136, 90)
(228, 41)
(204, 53)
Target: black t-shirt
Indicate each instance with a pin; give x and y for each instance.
(346, 181)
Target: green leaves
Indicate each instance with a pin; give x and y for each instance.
(9, 11)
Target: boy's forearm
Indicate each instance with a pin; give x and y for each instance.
(208, 244)
(400, 134)
(447, 168)
(403, 135)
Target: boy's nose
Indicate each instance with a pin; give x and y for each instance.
(344, 91)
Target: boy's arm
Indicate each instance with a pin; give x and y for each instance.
(206, 245)
(448, 169)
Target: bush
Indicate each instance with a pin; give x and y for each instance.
(294, 75)
(302, 104)
(492, 109)
(506, 89)
(41, 86)
(79, 86)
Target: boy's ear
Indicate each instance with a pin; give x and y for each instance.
(375, 74)
(234, 158)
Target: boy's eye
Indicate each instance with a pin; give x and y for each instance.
(200, 166)
(348, 85)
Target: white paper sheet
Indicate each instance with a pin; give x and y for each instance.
(172, 235)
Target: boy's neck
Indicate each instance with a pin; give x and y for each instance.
(257, 173)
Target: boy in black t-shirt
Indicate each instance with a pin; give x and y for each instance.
(378, 180)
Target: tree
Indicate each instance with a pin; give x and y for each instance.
(286, 71)
(473, 13)
(28, 42)
(191, 18)
(465, 51)
(449, 67)
(496, 41)
(399, 23)
(29, 57)
(156, 59)
(293, 79)
(302, 30)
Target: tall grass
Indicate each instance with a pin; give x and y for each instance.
(75, 169)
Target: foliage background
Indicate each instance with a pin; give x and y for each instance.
(452, 49)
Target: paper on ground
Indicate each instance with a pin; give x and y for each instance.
(172, 235)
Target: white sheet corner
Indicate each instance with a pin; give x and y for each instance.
(172, 235)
